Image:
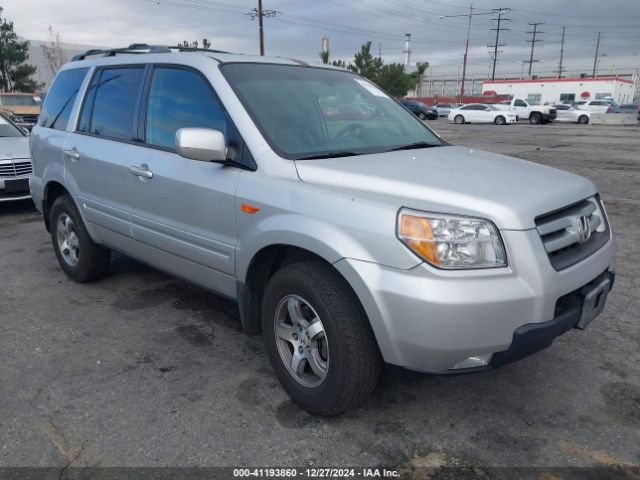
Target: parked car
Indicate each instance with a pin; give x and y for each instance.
(595, 106)
(444, 108)
(630, 108)
(15, 162)
(24, 107)
(526, 111)
(347, 244)
(566, 113)
(481, 113)
(420, 110)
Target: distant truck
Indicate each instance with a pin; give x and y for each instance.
(23, 108)
(534, 113)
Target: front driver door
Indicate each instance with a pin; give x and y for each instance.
(183, 211)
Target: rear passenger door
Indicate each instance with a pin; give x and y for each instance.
(183, 211)
(98, 153)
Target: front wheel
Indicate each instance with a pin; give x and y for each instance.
(500, 120)
(583, 119)
(79, 256)
(459, 119)
(535, 118)
(318, 339)
(422, 116)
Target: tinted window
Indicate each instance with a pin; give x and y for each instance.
(61, 97)
(519, 103)
(180, 99)
(110, 104)
(561, 107)
(468, 107)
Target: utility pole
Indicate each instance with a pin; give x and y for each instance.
(561, 53)
(379, 51)
(498, 29)
(533, 42)
(260, 14)
(466, 47)
(595, 60)
(261, 27)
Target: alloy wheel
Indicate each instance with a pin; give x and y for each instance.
(301, 340)
(68, 242)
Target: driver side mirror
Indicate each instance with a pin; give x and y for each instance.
(203, 144)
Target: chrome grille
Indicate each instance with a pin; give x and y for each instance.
(573, 233)
(15, 168)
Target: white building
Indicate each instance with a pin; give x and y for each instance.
(543, 90)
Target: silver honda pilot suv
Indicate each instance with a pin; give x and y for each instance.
(349, 233)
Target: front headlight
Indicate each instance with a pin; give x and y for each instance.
(450, 241)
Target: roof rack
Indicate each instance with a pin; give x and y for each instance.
(139, 48)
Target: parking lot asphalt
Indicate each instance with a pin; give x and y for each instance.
(143, 369)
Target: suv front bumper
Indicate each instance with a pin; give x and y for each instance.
(432, 320)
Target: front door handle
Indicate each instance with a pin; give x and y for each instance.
(141, 171)
(72, 153)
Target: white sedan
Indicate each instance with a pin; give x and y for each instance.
(481, 113)
(566, 113)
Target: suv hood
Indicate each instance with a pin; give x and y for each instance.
(509, 191)
(14, 147)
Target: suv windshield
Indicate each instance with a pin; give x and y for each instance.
(20, 100)
(309, 113)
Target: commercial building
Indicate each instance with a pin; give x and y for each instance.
(544, 90)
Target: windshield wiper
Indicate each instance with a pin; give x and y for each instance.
(329, 155)
(413, 146)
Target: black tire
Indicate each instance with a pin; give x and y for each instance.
(459, 119)
(500, 120)
(535, 118)
(422, 116)
(93, 260)
(354, 361)
(583, 119)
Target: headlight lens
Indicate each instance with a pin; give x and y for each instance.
(450, 241)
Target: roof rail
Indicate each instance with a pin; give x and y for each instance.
(137, 48)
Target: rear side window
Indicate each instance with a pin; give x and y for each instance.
(180, 98)
(110, 105)
(61, 97)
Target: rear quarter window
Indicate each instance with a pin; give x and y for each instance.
(61, 97)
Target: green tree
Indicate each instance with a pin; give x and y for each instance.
(15, 74)
(186, 44)
(366, 64)
(324, 56)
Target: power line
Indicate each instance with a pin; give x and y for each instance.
(498, 29)
(533, 42)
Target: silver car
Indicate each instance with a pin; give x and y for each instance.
(15, 161)
(347, 241)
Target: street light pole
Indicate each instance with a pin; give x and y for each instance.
(466, 46)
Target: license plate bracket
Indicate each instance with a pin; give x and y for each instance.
(593, 303)
(16, 186)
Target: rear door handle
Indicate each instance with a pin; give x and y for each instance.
(141, 171)
(72, 153)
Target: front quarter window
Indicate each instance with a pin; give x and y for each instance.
(306, 112)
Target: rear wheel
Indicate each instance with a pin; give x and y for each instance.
(78, 255)
(500, 120)
(535, 118)
(583, 119)
(459, 119)
(318, 339)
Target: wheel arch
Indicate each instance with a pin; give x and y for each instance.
(262, 266)
(52, 190)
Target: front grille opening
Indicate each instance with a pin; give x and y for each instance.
(560, 236)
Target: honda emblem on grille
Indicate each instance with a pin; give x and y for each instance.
(583, 228)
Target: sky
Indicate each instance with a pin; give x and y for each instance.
(297, 28)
